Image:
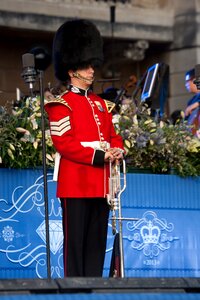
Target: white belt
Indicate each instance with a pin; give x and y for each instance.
(56, 166)
(96, 145)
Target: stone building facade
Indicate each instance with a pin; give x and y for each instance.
(137, 34)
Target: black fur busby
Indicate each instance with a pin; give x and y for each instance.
(77, 44)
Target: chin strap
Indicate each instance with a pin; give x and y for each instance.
(77, 75)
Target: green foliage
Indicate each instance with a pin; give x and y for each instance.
(158, 146)
(21, 137)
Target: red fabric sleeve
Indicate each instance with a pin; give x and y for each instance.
(66, 143)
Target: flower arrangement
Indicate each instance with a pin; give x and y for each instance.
(158, 146)
(21, 136)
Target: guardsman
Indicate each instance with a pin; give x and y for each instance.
(85, 140)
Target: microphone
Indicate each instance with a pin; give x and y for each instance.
(29, 73)
(197, 76)
(77, 75)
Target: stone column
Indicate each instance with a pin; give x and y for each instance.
(184, 53)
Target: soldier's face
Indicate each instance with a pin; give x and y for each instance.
(83, 77)
(87, 73)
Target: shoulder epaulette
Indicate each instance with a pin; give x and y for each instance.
(109, 105)
(63, 93)
(57, 99)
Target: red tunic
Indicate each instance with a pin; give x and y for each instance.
(76, 119)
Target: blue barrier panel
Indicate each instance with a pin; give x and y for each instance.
(109, 296)
(164, 242)
(22, 225)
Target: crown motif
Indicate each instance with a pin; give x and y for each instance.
(150, 233)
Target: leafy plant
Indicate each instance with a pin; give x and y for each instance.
(21, 136)
(158, 146)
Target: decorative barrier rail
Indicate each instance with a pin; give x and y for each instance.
(164, 242)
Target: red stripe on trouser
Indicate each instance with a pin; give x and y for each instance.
(64, 223)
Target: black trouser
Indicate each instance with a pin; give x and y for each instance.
(85, 223)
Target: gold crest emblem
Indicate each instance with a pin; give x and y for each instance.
(100, 107)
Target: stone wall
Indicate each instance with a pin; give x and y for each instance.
(171, 29)
(184, 52)
(149, 19)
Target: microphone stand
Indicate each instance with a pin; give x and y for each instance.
(112, 21)
(29, 75)
(41, 76)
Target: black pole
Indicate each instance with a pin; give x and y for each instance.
(29, 74)
(112, 22)
(41, 75)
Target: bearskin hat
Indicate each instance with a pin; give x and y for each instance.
(77, 44)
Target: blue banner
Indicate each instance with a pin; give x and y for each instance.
(163, 242)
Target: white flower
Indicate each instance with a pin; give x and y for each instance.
(10, 154)
(27, 102)
(12, 147)
(151, 142)
(135, 120)
(35, 144)
(115, 118)
(23, 140)
(34, 124)
(20, 129)
(49, 157)
(124, 107)
(161, 124)
(148, 122)
(36, 108)
(17, 112)
(149, 111)
(127, 144)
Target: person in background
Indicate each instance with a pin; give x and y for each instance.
(85, 140)
(193, 103)
(191, 87)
